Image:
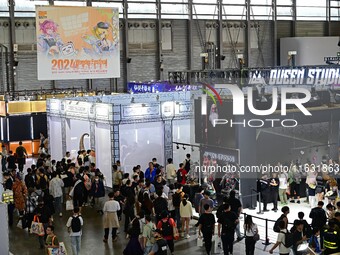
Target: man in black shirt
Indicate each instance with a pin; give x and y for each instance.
(274, 190)
(236, 207)
(319, 219)
(206, 224)
(228, 220)
(299, 236)
(160, 205)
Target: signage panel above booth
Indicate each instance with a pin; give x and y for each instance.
(77, 42)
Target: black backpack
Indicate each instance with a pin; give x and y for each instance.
(179, 176)
(176, 199)
(75, 224)
(289, 239)
(276, 225)
(42, 182)
(162, 247)
(187, 165)
(166, 228)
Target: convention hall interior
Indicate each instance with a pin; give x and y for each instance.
(157, 127)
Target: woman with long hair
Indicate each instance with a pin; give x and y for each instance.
(133, 247)
(185, 210)
(251, 229)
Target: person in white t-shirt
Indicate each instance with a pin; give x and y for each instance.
(170, 172)
(110, 210)
(283, 185)
(74, 225)
(250, 229)
(283, 250)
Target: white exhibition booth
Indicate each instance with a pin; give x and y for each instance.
(132, 128)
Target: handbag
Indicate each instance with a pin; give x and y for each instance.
(69, 205)
(61, 250)
(19, 224)
(37, 227)
(256, 236)
(199, 241)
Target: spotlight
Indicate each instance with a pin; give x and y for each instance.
(192, 149)
(132, 100)
(177, 146)
(184, 147)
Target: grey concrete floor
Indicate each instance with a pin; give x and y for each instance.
(22, 243)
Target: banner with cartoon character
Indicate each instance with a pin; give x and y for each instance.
(77, 42)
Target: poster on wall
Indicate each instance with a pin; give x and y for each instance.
(77, 42)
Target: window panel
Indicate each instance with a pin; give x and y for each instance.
(316, 3)
(284, 2)
(142, 8)
(234, 2)
(234, 10)
(142, 16)
(285, 18)
(69, 3)
(284, 11)
(110, 4)
(205, 9)
(260, 11)
(177, 16)
(261, 2)
(311, 12)
(205, 2)
(174, 8)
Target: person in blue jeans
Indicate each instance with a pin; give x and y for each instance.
(74, 225)
(226, 228)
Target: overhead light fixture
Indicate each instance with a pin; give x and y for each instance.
(177, 146)
(132, 100)
(183, 147)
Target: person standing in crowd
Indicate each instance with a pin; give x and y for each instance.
(19, 195)
(171, 207)
(181, 174)
(250, 229)
(117, 177)
(176, 201)
(314, 243)
(205, 200)
(150, 172)
(11, 161)
(319, 219)
(51, 239)
(31, 204)
(206, 226)
(110, 210)
(284, 217)
(197, 198)
(274, 183)
(133, 247)
(56, 190)
(160, 205)
(298, 236)
(228, 221)
(283, 180)
(170, 171)
(330, 211)
(236, 207)
(98, 193)
(331, 239)
(307, 230)
(167, 225)
(120, 199)
(294, 179)
(21, 156)
(281, 240)
(160, 246)
(29, 179)
(148, 239)
(8, 185)
(265, 192)
(129, 211)
(311, 186)
(77, 193)
(320, 188)
(187, 163)
(44, 215)
(186, 214)
(87, 184)
(74, 225)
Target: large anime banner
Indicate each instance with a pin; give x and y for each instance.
(77, 42)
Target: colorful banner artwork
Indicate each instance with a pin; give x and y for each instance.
(77, 42)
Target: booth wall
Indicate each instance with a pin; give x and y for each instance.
(55, 138)
(74, 130)
(184, 132)
(103, 151)
(139, 143)
(310, 50)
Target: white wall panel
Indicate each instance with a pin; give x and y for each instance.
(55, 140)
(103, 151)
(139, 143)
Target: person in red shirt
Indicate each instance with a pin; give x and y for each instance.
(167, 225)
(181, 174)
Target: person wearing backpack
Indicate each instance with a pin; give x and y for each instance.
(319, 219)
(283, 217)
(148, 238)
(167, 225)
(187, 163)
(160, 246)
(74, 225)
(160, 205)
(181, 175)
(282, 240)
(206, 226)
(298, 237)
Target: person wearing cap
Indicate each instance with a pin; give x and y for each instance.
(205, 200)
(160, 246)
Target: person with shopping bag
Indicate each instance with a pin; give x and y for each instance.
(206, 226)
(42, 214)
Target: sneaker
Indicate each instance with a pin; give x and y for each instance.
(187, 237)
(60, 215)
(292, 201)
(114, 239)
(266, 210)
(298, 201)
